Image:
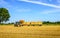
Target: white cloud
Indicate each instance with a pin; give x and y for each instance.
(51, 11)
(41, 3)
(23, 10)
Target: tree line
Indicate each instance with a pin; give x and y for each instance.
(48, 22)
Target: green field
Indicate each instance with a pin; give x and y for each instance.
(45, 31)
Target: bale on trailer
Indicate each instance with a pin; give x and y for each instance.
(36, 23)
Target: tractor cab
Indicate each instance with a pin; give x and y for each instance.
(16, 24)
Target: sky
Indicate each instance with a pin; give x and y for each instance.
(32, 10)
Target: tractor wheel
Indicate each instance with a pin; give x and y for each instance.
(15, 25)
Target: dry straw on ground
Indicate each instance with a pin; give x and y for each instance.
(29, 31)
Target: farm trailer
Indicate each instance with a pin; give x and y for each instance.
(17, 24)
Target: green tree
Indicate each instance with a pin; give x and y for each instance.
(4, 15)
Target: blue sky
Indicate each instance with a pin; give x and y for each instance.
(32, 10)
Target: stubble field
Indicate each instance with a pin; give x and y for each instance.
(50, 31)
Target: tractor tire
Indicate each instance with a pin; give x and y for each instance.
(15, 25)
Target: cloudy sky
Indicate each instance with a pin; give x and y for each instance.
(32, 10)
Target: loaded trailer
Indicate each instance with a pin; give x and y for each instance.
(23, 23)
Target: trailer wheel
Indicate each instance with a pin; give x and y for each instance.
(21, 25)
(28, 25)
(33, 25)
(40, 25)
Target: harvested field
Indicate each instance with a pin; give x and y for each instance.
(9, 31)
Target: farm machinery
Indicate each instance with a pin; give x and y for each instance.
(23, 23)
